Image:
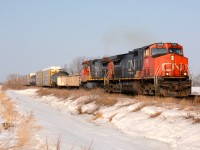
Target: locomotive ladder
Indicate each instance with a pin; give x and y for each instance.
(106, 79)
(156, 80)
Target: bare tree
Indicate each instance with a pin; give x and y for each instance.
(75, 66)
(66, 68)
(13, 79)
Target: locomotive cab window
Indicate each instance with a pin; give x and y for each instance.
(176, 51)
(159, 51)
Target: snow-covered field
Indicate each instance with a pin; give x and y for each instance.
(118, 127)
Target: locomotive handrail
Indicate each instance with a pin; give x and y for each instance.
(106, 80)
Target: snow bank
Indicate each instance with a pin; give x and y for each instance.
(169, 126)
(196, 90)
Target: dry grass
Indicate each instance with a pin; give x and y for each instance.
(9, 116)
(156, 100)
(111, 117)
(101, 98)
(60, 93)
(57, 145)
(25, 130)
(142, 105)
(197, 100)
(171, 102)
(79, 110)
(7, 125)
(87, 147)
(104, 99)
(156, 114)
(63, 93)
(46, 144)
(13, 87)
(107, 99)
(189, 116)
(190, 105)
(8, 111)
(97, 116)
(196, 120)
(127, 104)
(194, 117)
(22, 126)
(95, 95)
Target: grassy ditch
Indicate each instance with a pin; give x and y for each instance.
(170, 102)
(18, 127)
(10, 86)
(98, 96)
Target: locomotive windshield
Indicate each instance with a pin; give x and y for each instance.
(176, 51)
(159, 51)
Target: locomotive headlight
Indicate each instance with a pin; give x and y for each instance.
(172, 57)
(185, 74)
(167, 73)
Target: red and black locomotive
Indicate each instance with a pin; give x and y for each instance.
(156, 69)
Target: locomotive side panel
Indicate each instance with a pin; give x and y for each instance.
(85, 73)
(127, 67)
(96, 69)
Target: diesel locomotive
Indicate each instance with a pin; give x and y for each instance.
(156, 69)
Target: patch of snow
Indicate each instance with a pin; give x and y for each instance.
(30, 92)
(196, 90)
(89, 108)
(119, 127)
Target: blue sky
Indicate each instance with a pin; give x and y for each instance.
(37, 34)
